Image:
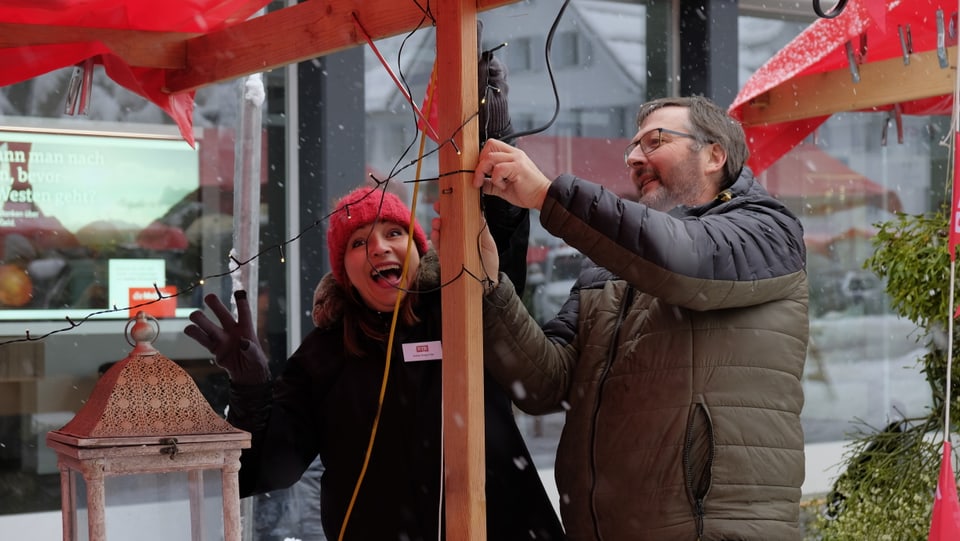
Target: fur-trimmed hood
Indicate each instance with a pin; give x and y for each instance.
(329, 297)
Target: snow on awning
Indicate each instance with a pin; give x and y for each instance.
(896, 62)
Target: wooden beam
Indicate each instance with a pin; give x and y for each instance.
(294, 34)
(881, 83)
(459, 205)
(281, 37)
(136, 47)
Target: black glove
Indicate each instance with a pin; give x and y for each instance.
(492, 87)
(509, 225)
(234, 344)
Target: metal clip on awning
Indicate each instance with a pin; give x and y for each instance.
(79, 87)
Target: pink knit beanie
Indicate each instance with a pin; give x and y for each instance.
(360, 208)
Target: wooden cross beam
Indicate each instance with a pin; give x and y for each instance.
(285, 36)
(881, 83)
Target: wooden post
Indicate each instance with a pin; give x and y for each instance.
(463, 420)
(94, 477)
(195, 501)
(68, 493)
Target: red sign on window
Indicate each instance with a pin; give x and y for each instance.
(147, 300)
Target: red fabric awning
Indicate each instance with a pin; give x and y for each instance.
(191, 16)
(871, 26)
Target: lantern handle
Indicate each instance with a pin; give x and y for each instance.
(137, 332)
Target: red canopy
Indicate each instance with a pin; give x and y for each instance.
(874, 29)
(24, 62)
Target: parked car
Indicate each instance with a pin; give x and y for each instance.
(559, 272)
(847, 291)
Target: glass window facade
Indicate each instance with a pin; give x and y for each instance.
(118, 201)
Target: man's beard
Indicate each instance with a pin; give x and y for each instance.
(668, 196)
(660, 199)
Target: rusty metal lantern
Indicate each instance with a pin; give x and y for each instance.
(143, 457)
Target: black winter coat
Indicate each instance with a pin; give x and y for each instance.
(325, 404)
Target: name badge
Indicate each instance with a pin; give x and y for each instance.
(422, 351)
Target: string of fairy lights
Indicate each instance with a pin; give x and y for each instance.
(379, 184)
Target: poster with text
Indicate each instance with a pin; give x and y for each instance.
(73, 204)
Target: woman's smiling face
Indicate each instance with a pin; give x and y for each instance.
(374, 261)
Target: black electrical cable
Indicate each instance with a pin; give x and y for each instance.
(837, 9)
(553, 82)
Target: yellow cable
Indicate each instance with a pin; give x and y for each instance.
(396, 310)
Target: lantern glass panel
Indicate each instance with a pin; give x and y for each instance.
(156, 506)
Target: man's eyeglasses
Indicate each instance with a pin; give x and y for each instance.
(651, 141)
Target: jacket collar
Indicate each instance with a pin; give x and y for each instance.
(744, 185)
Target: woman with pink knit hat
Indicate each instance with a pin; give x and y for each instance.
(326, 401)
(341, 390)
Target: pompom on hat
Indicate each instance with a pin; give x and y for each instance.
(360, 208)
